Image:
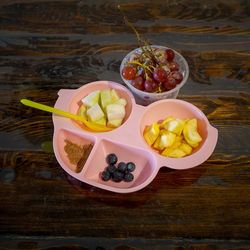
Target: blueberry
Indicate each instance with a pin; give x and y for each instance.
(112, 159)
(117, 176)
(130, 166)
(106, 175)
(128, 177)
(122, 167)
(111, 169)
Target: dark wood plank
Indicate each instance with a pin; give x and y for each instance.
(89, 243)
(175, 197)
(204, 66)
(49, 45)
(227, 112)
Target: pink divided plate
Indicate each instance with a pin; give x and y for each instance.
(126, 141)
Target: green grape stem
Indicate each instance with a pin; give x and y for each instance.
(141, 65)
(131, 26)
(159, 89)
(148, 51)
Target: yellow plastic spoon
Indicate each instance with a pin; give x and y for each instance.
(43, 107)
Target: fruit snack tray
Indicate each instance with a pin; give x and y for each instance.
(126, 141)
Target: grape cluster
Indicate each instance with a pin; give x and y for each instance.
(153, 71)
(118, 173)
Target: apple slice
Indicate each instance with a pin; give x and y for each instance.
(101, 121)
(115, 111)
(114, 123)
(92, 98)
(106, 98)
(121, 101)
(114, 95)
(82, 111)
(95, 112)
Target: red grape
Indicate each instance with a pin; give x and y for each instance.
(151, 85)
(177, 76)
(138, 83)
(170, 54)
(129, 72)
(142, 74)
(170, 83)
(163, 89)
(134, 57)
(173, 66)
(166, 68)
(161, 56)
(153, 72)
(160, 75)
(149, 74)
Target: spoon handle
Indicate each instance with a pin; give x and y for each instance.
(63, 113)
(51, 110)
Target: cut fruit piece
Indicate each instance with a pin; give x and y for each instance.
(95, 112)
(115, 111)
(192, 122)
(92, 98)
(114, 123)
(114, 95)
(175, 126)
(151, 133)
(173, 137)
(165, 139)
(82, 111)
(186, 148)
(170, 118)
(101, 121)
(179, 138)
(168, 150)
(156, 143)
(191, 134)
(192, 144)
(121, 101)
(106, 98)
(176, 153)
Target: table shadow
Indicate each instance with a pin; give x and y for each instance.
(166, 179)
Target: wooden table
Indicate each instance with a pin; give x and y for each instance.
(49, 45)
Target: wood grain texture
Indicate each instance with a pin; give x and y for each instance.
(49, 45)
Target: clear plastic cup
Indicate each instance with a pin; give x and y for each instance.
(145, 98)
